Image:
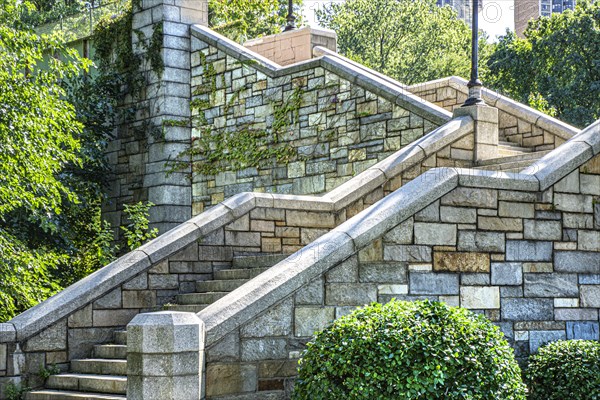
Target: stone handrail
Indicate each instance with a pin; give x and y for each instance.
(128, 266)
(503, 103)
(267, 289)
(370, 80)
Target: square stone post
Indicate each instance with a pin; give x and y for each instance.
(486, 130)
(165, 356)
(161, 129)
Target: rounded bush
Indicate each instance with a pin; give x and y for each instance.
(409, 350)
(568, 369)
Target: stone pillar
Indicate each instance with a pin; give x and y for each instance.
(165, 356)
(161, 129)
(293, 46)
(486, 130)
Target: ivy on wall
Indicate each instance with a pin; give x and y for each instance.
(217, 149)
(121, 67)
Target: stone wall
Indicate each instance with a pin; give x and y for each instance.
(138, 153)
(68, 325)
(522, 249)
(347, 119)
(517, 123)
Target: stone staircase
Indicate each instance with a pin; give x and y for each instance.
(104, 376)
(512, 158)
(242, 270)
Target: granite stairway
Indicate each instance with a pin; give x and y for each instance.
(242, 270)
(104, 376)
(512, 158)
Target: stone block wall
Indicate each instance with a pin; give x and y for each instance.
(293, 46)
(341, 128)
(518, 124)
(141, 148)
(528, 260)
(67, 326)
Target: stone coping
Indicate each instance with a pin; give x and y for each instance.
(269, 288)
(296, 32)
(128, 266)
(344, 68)
(506, 104)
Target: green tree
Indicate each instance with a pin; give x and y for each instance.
(39, 138)
(556, 66)
(242, 20)
(410, 40)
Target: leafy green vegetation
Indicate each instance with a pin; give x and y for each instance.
(557, 61)
(409, 350)
(411, 41)
(568, 369)
(242, 20)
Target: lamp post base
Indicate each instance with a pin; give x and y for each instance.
(475, 97)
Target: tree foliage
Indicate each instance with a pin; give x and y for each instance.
(242, 20)
(410, 40)
(39, 141)
(558, 61)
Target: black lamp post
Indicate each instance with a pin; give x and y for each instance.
(291, 19)
(474, 84)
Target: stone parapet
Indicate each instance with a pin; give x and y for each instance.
(294, 46)
(518, 123)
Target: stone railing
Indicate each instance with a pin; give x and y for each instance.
(67, 325)
(523, 249)
(518, 123)
(347, 119)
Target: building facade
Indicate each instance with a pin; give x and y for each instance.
(531, 9)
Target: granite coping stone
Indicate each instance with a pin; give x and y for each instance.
(282, 280)
(559, 163)
(345, 68)
(506, 104)
(80, 294)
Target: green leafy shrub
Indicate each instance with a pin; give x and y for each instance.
(409, 350)
(567, 369)
(137, 231)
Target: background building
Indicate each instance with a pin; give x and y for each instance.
(528, 9)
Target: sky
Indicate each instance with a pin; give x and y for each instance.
(496, 16)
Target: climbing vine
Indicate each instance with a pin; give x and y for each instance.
(121, 67)
(215, 150)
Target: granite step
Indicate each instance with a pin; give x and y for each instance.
(257, 261)
(508, 167)
(70, 395)
(528, 157)
(244, 273)
(200, 298)
(111, 384)
(99, 366)
(110, 351)
(227, 285)
(120, 337)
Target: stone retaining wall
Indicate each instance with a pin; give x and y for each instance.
(522, 249)
(517, 123)
(347, 119)
(68, 325)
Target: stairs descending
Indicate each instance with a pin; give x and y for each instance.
(104, 376)
(512, 158)
(243, 269)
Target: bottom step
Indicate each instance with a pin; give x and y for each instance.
(66, 395)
